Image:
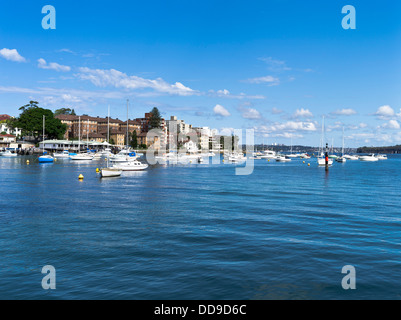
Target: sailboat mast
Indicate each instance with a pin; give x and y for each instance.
(87, 136)
(343, 143)
(127, 123)
(44, 117)
(79, 134)
(108, 125)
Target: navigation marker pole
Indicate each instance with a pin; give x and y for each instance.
(327, 157)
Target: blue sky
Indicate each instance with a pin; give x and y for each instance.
(276, 66)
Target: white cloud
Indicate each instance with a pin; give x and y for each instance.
(385, 112)
(42, 64)
(51, 97)
(277, 111)
(295, 126)
(392, 124)
(251, 114)
(303, 113)
(270, 80)
(286, 129)
(288, 135)
(227, 94)
(345, 112)
(221, 111)
(11, 55)
(275, 65)
(118, 79)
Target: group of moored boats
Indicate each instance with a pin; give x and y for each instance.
(125, 160)
(321, 159)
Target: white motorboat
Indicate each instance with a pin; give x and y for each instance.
(341, 160)
(305, 156)
(255, 156)
(124, 156)
(351, 157)
(8, 154)
(82, 157)
(268, 154)
(235, 157)
(369, 158)
(106, 152)
(130, 166)
(282, 158)
(381, 157)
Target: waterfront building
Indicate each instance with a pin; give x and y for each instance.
(6, 140)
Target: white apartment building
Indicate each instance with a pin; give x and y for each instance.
(4, 128)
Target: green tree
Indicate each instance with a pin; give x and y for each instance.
(30, 122)
(31, 104)
(66, 111)
(155, 119)
(134, 140)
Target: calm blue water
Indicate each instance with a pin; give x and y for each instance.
(200, 232)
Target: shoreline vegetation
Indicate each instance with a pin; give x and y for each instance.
(379, 150)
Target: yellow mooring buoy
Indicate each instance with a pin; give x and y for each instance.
(97, 170)
(27, 161)
(81, 177)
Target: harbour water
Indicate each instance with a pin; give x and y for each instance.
(200, 232)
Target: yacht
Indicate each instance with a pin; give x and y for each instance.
(255, 156)
(235, 157)
(282, 158)
(369, 158)
(130, 166)
(124, 156)
(382, 157)
(342, 159)
(268, 154)
(106, 152)
(62, 155)
(82, 157)
(291, 155)
(322, 161)
(350, 157)
(305, 156)
(8, 154)
(45, 158)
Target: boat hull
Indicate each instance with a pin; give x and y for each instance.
(322, 162)
(110, 172)
(131, 166)
(46, 159)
